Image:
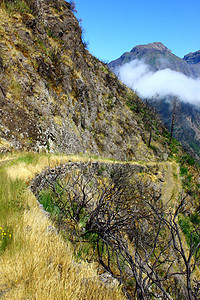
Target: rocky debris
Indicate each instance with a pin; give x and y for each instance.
(4, 289)
(108, 280)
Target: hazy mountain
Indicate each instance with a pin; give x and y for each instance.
(156, 57)
(193, 59)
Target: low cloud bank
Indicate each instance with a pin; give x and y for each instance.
(138, 76)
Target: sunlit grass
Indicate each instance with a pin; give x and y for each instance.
(35, 262)
(11, 207)
(26, 166)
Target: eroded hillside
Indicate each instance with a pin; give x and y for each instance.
(54, 95)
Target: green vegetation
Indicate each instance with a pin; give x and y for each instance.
(190, 225)
(11, 207)
(16, 5)
(28, 158)
(41, 45)
(187, 159)
(10, 200)
(6, 235)
(45, 198)
(76, 224)
(103, 216)
(109, 102)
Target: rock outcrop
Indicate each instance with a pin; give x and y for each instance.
(193, 57)
(54, 95)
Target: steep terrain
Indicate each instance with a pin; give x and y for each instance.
(43, 267)
(54, 95)
(105, 229)
(192, 57)
(159, 57)
(186, 128)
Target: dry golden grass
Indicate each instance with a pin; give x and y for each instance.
(25, 171)
(38, 264)
(44, 266)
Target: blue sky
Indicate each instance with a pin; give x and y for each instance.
(113, 27)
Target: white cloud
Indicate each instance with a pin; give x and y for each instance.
(138, 76)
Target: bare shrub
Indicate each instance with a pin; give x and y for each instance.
(132, 234)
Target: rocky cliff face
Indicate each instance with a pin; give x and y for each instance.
(54, 95)
(193, 57)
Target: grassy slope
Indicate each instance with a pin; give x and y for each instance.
(36, 263)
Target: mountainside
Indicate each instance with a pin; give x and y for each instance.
(192, 57)
(159, 57)
(54, 95)
(125, 225)
(187, 123)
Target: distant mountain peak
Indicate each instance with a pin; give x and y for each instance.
(156, 46)
(192, 57)
(159, 57)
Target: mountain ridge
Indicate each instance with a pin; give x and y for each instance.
(54, 95)
(158, 57)
(155, 46)
(192, 57)
(118, 215)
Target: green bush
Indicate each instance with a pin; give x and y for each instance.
(183, 171)
(45, 198)
(187, 226)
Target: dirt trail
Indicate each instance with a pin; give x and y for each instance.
(172, 184)
(170, 171)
